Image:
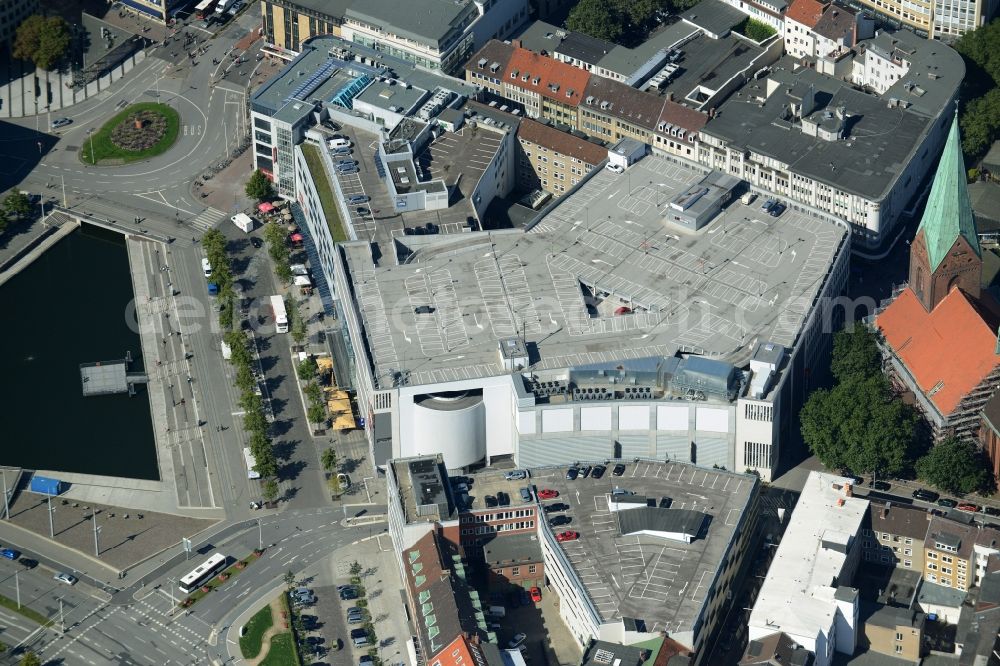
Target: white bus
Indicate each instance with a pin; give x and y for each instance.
(204, 9)
(251, 463)
(205, 571)
(280, 316)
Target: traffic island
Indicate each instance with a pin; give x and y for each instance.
(139, 132)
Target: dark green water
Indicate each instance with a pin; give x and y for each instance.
(70, 307)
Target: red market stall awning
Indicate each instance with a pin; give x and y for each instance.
(296, 238)
(265, 207)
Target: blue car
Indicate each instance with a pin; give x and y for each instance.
(776, 210)
(10, 553)
(768, 205)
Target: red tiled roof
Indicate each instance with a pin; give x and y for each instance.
(948, 351)
(561, 142)
(548, 72)
(682, 116)
(806, 12)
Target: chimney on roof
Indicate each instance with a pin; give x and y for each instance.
(849, 489)
(996, 350)
(516, 43)
(885, 509)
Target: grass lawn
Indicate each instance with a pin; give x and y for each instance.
(32, 615)
(258, 624)
(106, 151)
(315, 162)
(282, 652)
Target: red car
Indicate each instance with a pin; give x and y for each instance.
(567, 536)
(548, 493)
(536, 595)
(968, 507)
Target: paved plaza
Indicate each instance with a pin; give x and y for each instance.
(126, 537)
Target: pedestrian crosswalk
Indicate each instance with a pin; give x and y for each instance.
(207, 219)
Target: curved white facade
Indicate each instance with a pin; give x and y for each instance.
(454, 426)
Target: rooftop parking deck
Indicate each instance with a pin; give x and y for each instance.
(743, 278)
(661, 582)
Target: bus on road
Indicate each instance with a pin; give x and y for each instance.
(205, 9)
(203, 573)
(280, 316)
(252, 473)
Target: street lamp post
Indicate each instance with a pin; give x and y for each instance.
(17, 588)
(260, 536)
(97, 530)
(6, 503)
(90, 133)
(52, 531)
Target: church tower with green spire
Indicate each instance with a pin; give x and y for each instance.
(945, 253)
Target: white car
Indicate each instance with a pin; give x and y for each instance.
(65, 578)
(616, 168)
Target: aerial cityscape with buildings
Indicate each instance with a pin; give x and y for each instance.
(500, 332)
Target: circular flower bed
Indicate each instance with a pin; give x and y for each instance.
(140, 130)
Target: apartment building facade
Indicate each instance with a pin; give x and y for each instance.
(956, 554)
(814, 28)
(12, 12)
(937, 19)
(894, 536)
(544, 88)
(552, 160)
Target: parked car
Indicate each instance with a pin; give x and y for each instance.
(303, 595)
(572, 473)
(341, 152)
(665, 502)
(347, 163)
(567, 536)
(585, 472)
(620, 492)
(65, 578)
(339, 143)
(558, 521)
(618, 470)
(526, 495)
(991, 511)
(777, 209)
(924, 495)
(490, 500)
(347, 171)
(517, 640)
(366, 660)
(598, 471)
(359, 199)
(881, 485)
(515, 475)
(61, 122)
(615, 168)
(768, 205)
(536, 594)
(524, 598)
(555, 507)
(503, 499)
(256, 242)
(547, 494)
(237, 6)
(28, 563)
(968, 506)
(10, 554)
(349, 592)
(947, 503)
(362, 210)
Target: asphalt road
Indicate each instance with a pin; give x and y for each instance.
(141, 625)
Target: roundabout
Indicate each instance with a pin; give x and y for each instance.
(138, 132)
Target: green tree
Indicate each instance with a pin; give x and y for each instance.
(282, 270)
(355, 569)
(329, 459)
(979, 95)
(259, 186)
(43, 40)
(316, 413)
(298, 325)
(313, 392)
(267, 464)
(859, 425)
(855, 353)
(245, 381)
(597, 18)
(306, 369)
(289, 578)
(333, 483)
(754, 29)
(3, 220)
(955, 466)
(255, 422)
(270, 491)
(30, 659)
(17, 204)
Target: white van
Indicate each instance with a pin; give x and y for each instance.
(206, 267)
(339, 143)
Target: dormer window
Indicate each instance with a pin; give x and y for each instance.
(514, 74)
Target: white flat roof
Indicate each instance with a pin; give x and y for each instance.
(797, 596)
